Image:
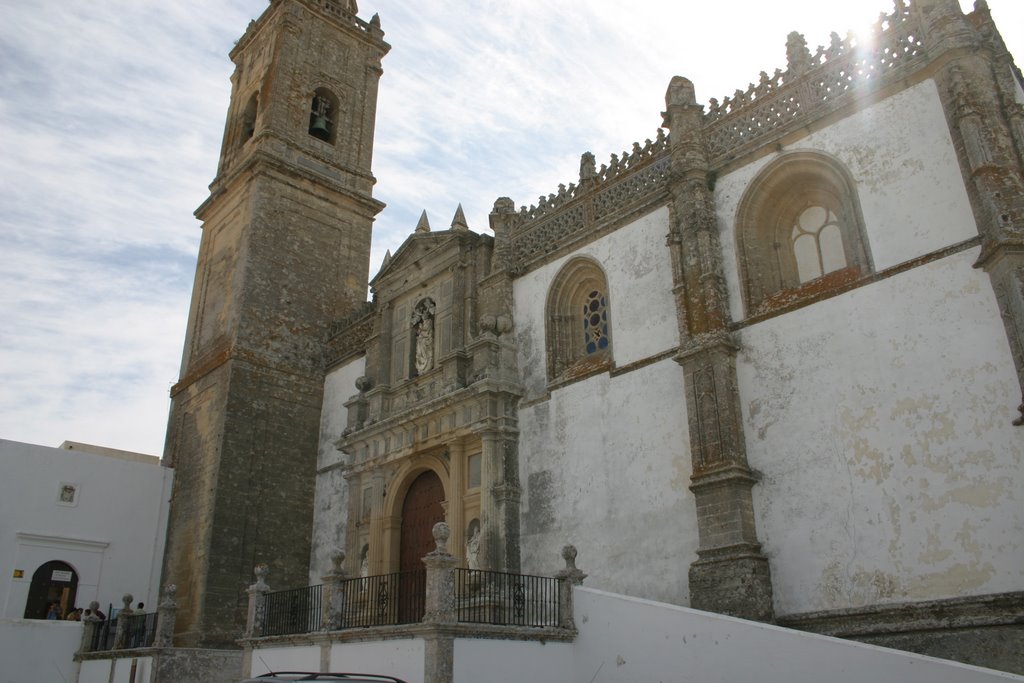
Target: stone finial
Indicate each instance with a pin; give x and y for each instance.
(363, 384)
(423, 225)
(588, 167)
(261, 571)
(337, 560)
(797, 54)
(441, 534)
(375, 20)
(571, 573)
(126, 600)
(170, 591)
(387, 260)
(459, 221)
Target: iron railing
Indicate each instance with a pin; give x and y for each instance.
(384, 600)
(291, 611)
(139, 629)
(484, 597)
(481, 597)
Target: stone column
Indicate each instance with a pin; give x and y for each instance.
(456, 507)
(257, 609)
(121, 633)
(499, 502)
(731, 575)
(439, 647)
(333, 599)
(568, 578)
(166, 612)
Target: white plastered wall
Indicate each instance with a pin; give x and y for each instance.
(330, 504)
(112, 534)
(880, 419)
(604, 462)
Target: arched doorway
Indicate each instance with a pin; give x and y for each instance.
(421, 510)
(54, 581)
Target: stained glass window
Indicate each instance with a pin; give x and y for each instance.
(595, 322)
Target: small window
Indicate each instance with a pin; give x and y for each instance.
(249, 118)
(578, 325)
(799, 231)
(323, 115)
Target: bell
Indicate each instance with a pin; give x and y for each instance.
(319, 129)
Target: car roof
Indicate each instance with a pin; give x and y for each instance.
(324, 676)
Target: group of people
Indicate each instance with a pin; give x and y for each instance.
(91, 613)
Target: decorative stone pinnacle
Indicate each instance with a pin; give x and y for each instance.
(588, 167)
(126, 600)
(797, 54)
(441, 533)
(261, 571)
(680, 92)
(504, 205)
(363, 383)
(459, 221)
(423, 225)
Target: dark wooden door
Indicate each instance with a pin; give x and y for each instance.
(421, 510)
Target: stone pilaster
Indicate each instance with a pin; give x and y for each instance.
(731, 575)
(499, 503)
(456, 511)
(987, 125)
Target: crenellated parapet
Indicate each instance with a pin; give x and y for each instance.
(814, 85)
(604, 196)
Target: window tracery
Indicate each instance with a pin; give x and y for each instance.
(799, 230)
(578, 326)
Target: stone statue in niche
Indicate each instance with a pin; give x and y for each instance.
(423, 328)
(473, 544)
(364, 562)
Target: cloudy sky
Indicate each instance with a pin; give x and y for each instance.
(111, 115)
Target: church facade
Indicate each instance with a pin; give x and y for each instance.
(766, 363)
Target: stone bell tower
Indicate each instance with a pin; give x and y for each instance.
(284, 253)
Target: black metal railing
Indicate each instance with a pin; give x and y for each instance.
(384, 600)
(101, 636)
(291, 611)
(139, 629)
(484, 597)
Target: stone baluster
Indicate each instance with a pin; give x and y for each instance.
(333, 606)
(257, 608)
(567, 579)
(166, 614)
(121, 633)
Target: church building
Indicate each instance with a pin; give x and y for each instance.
(767, 363)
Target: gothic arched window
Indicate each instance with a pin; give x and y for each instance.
(323, 115)
(578, 325)
(799, 231)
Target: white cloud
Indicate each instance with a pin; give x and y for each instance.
(112, 113)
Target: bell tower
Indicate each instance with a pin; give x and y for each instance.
(284, 253)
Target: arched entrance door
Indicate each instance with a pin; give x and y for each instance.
(421, 510)
(53, 582)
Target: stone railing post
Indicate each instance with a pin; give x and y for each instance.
(440, 598)
(439, 647)
(166, 614)
(89, 628)
(332, 607)
(567, 579)
(257, 608)
(122, 622)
